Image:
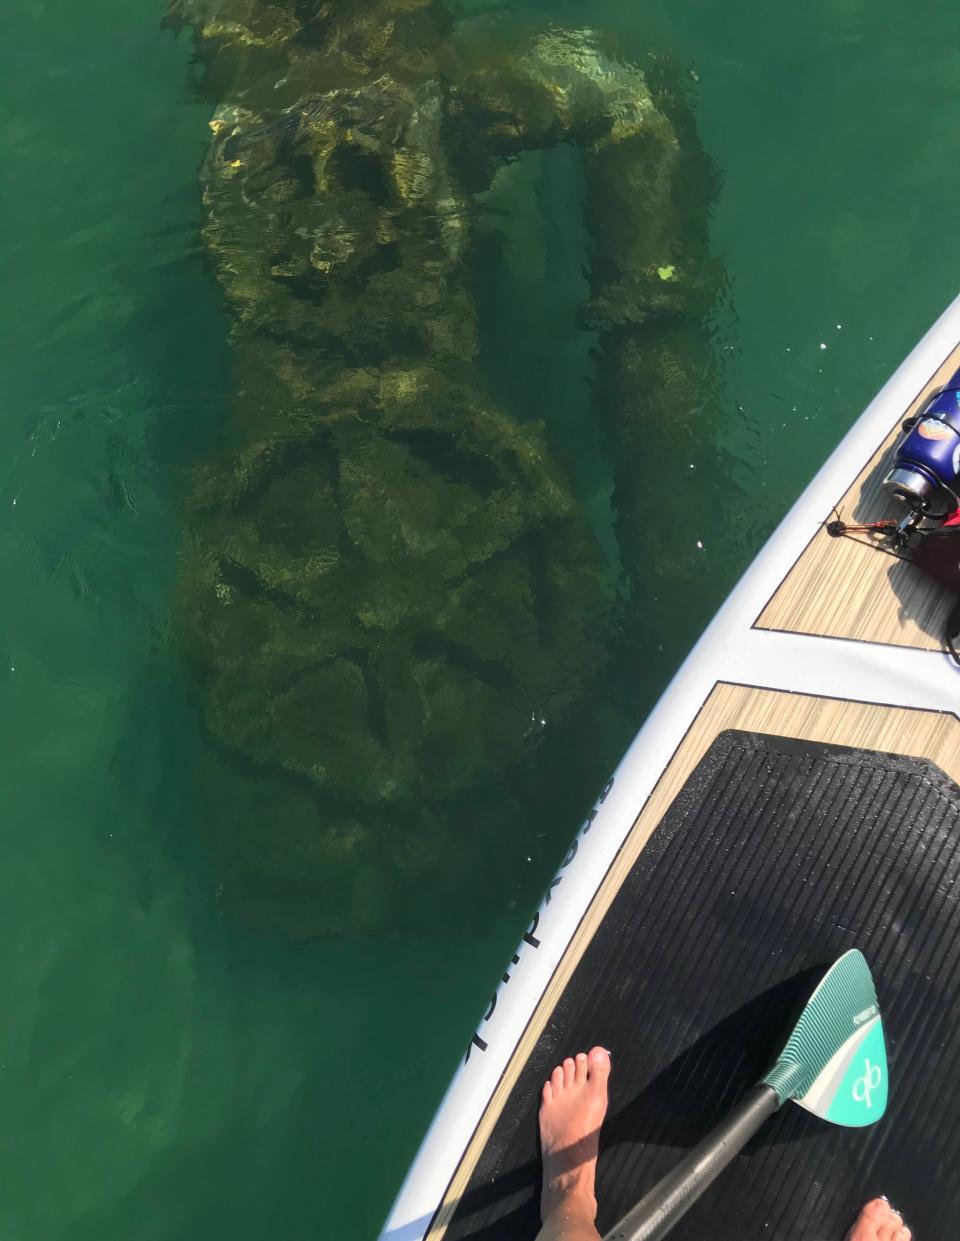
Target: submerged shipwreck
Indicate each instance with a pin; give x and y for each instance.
(387, 582)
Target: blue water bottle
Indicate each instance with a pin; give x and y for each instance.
(926, 469)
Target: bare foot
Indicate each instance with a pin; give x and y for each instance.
(573, 1105)
(878, 1221)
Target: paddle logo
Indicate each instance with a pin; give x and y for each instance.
(864, 1087)
(861, 1095)
(855, 1092)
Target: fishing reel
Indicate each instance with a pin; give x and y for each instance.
(926, 470)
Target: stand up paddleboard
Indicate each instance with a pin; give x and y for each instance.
(794, 795)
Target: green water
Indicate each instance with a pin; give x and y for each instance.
(164, 1072)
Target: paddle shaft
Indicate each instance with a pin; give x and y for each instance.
(654, 1216)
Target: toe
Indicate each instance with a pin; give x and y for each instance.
(547, 1093)
(875, 1221)
(890, 1228)
(569, 1071)
(877, 1211)
(598, 1070)
(556, 1078)
(580, 1075)
(599, 1063)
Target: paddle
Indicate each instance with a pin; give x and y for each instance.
(834, 1064)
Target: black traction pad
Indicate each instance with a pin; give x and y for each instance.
(776, 857)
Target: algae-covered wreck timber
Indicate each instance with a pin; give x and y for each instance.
(653, 285)
(387, 583)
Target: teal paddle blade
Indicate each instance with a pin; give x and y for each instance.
(835, 1061)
